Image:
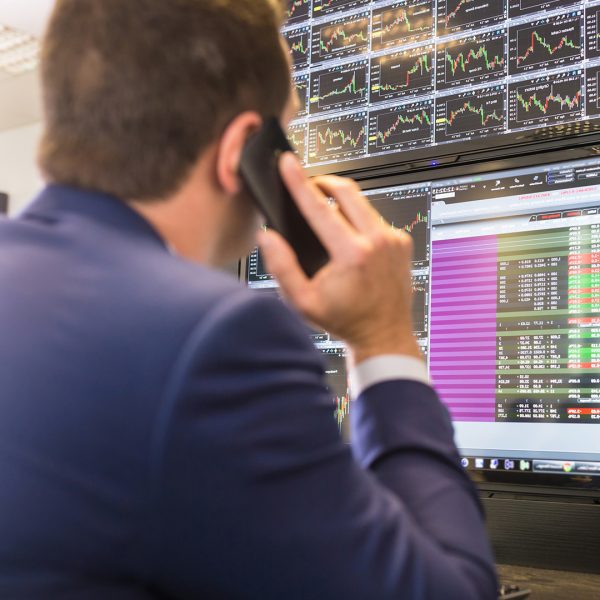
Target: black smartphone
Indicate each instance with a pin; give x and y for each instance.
(260, 173)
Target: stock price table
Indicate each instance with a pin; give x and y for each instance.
(548, 354)
(530, 302)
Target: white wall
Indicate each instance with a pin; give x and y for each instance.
(19, 175)
(27, 15)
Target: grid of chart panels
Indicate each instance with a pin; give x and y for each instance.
(378, 77)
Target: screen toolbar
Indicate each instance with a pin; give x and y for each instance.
(378, 77)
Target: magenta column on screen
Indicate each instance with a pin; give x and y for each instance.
(462, 348)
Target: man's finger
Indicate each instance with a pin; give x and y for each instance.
(351, 202)
(334, 231)
(282, 263)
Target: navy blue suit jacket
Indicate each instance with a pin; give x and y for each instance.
(164, 432)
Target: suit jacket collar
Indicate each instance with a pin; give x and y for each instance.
(57, 201)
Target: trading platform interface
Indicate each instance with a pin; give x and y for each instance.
(514, 323)
(506, 279)
(387, 75)
(515, 301)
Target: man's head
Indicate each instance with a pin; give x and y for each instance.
(137, 92)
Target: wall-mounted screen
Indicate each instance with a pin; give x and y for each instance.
(386, 79)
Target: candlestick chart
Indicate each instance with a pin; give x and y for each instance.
(297, 138)
(297, 10)
(337, 383)
(298, 43)
(592, 104)
(420, 289)
(476, 62)
(470, 114)
(402, 23)
(546, 43)
(324, 7)
(301, 86)
(406, 210)
(342, 408)
(341, 37)
(472, 59)
(518, 8)
(457, 15)
(397, 127)
(592, 32)
(339, 137)
(408, 73)
(338, 87)
(546, 100)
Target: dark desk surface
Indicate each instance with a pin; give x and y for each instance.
(552, 585)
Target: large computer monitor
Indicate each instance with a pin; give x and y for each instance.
(431, 82)
(507, 311)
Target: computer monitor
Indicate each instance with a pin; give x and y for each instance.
(433, 82)
(507, 311)
(474, 125)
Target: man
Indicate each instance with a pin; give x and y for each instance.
(163, 431)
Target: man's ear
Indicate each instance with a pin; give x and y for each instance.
(231, 145)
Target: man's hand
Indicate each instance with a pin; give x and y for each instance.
(364, 294)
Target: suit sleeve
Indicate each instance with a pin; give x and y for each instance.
(256, 496)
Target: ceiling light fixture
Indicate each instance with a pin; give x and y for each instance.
(19, 52)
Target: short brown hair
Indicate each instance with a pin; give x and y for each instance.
(135, 90)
